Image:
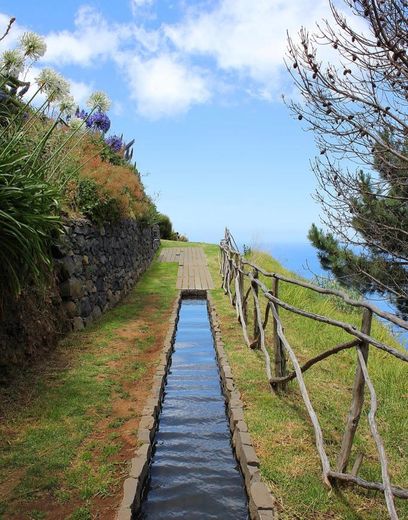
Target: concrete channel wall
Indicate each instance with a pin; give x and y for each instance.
(261, 502)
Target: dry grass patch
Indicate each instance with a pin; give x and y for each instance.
(69, 424)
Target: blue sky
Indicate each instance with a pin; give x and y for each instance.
(198, 85)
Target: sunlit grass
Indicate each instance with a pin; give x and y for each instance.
(280, 427)
(59, 431)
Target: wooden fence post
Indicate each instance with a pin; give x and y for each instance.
(242, 289)
(279, 351)
(357, 399)
(255, 288)
(233, 271)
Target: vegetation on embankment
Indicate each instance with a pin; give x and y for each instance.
(57, 160)
(279, 425)
(68, 424)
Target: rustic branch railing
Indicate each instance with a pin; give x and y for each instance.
(234, 270)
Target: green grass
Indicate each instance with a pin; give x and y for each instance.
(55, 416)
(50, 445)
(279, 425)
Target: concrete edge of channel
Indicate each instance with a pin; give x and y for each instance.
(262, 504)
(134, 484)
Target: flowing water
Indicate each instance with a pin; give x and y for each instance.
(194, 474)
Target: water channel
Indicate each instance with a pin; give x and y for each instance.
(194, 474)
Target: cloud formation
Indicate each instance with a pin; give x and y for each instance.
(164, 86)
(238, 44)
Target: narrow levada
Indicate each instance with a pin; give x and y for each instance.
(194, 474)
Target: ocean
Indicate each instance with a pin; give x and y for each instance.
(302, 259)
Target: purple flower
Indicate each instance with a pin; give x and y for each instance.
(114, 142)
(99, 121)
(81, 114)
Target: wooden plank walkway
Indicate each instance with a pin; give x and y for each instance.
(193, 271)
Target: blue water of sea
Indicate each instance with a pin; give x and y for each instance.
(302, 259)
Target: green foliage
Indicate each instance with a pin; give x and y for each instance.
(29, 209)
(165, 225)
(247, 250)
(94, 203)
(339, 303)
(279, 424)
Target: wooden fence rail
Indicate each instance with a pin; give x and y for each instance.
(234, 270)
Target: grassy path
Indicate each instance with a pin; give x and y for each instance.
(280, 428)
(68, 426)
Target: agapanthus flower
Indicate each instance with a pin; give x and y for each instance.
(67, 105)
(81, 113)
(99, 121)
(53, 84)
(100, 101)
(12, 62)
(115, 142)
(76, 123)
(33, 45)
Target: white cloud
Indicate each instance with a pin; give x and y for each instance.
(216, 49)
(93, 40)
(246, 37)
(164, 86)
(80, 90)
(140, 3)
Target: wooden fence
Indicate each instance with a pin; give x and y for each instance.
(235, 269)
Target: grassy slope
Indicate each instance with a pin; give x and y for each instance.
(68, 425)
(61, 436)
(280, 426)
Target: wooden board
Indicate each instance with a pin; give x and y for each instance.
(193, 271)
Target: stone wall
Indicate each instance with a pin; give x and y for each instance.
(94, 268)
(97, 266)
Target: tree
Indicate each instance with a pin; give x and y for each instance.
(165, 226)
(356, 104)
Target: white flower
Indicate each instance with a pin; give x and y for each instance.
(33, 45)
(67, 105)
(99, 100)
(53, 84)
(12, 62)
(76, 123)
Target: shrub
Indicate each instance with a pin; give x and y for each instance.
(165, 226)
(330, 283)
(95, 203)
(29, 214)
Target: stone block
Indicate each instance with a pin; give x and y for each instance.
(267, 515)
(130, 490)
(71, 289)
(70, 308)
(144, 436)
(236, 414)
(96, 312)
(85, 307)
(246, 455)
(139, 468)
(124, 513)
(147, 422)
(229, 385)
(261, 497)
(78, 323)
